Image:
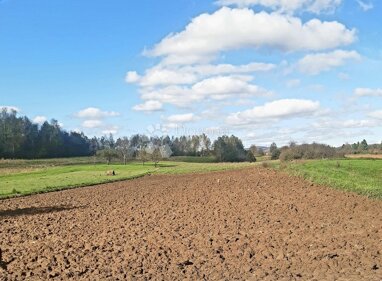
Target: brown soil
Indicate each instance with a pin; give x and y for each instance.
(253, 224)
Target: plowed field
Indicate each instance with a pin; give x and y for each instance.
(252, 224)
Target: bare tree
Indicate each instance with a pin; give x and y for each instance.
(123, 147)
(143, 155)
(156, 156)
(165, 151)
(108, 154)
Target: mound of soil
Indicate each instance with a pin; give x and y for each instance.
(253, 224)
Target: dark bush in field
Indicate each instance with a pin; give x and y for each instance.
(275, 154)
(229, 149)
(309, 151)
(250, 156)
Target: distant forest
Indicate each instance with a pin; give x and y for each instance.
(21, 138)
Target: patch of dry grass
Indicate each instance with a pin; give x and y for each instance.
(364, 156)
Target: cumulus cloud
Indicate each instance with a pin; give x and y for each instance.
(110, 130)
(215, 88)
(95, 113)
(39, 119)
(289, 6)
(222, 87)
(91, 124)
(175, 95)
(8, 108)
(149, 106)
(368, 92)
(273, 111)
(163, 76)
(173, 75)
(314, 64)
(181, 118)
(93, 119)
(99, 126)
(232, 29)
(132, 77)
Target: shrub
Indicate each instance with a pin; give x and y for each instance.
(108, 154)
(229, 149)
(286, 155)
(275, 154)
(309, 151)
(251, 156)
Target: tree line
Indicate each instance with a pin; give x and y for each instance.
(293, 151)
(21, 138)
(143, 148)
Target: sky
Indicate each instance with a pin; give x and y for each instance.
(264, 70)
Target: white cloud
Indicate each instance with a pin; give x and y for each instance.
(39, 119)
(95, 113)
(215, 88)
(150, 105)
(173, 75)
(376, 114)
(314, 64)
(8, 108)
(314, 6)
(181, 118)
(165, 76)
(222, 87)
(91, 124)
(365, 6)
(232, 29)
(347, 124)
(132, 77)
(273, 111)
(359, 123)
(110, 130)
(175, 95)
(293, 83)
(368, 92)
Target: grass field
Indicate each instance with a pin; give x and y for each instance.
(358, 175)
(22, 177)
(194, 159)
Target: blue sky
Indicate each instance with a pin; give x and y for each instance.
(265, 70)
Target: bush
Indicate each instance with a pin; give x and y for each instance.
(275, 154)
(286, 155)
(108, 154)
(229, 149)
(250, 156)
(309, 151)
